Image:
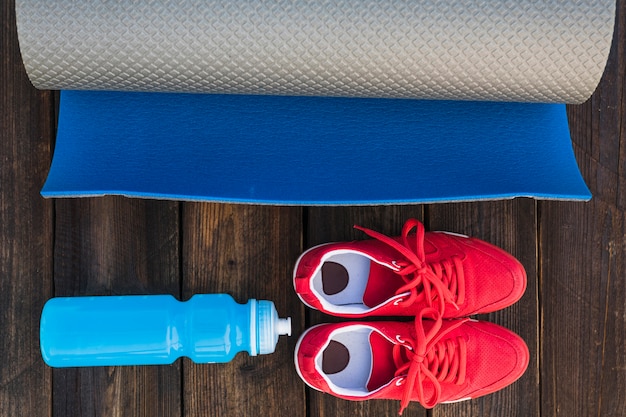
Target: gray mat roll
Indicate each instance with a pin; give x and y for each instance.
(509, 50)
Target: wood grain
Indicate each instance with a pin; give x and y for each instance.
(248, 252)
(116, 246)
(26, 229)
(583, 264)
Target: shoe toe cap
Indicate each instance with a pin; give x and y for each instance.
(499, 357)
(495, 279)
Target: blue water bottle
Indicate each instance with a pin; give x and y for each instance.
(156, 329)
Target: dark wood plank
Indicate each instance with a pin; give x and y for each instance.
(117, 246)
(26, 229)
(246, 251)
(510, 225)
(583, 262)
(332, 224)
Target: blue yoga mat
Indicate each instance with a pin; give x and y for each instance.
(310, 150)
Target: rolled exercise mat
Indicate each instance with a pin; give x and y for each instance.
(499, 50)
(522, 51)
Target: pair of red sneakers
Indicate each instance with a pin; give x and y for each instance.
(440, 279)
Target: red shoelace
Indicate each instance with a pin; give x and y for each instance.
(429, 357)
(445, 278)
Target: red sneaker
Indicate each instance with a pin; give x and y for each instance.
(384, 276)
(427, 361)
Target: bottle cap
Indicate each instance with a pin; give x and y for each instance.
(270, 326)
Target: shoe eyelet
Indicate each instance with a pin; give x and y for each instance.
(398, 301)
(399, 382)
(403, 342)
(395, 264)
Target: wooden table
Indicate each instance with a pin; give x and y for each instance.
(573, 315)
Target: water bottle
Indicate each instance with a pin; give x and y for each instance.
(156, 329)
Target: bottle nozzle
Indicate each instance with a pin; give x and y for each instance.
(283, 327)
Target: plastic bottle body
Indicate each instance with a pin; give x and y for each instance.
(147, 330)
(219, 328)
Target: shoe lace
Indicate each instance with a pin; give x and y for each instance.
(429, 357)
(445, 278)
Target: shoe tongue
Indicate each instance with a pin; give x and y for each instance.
(383, 367)
(381, 285)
